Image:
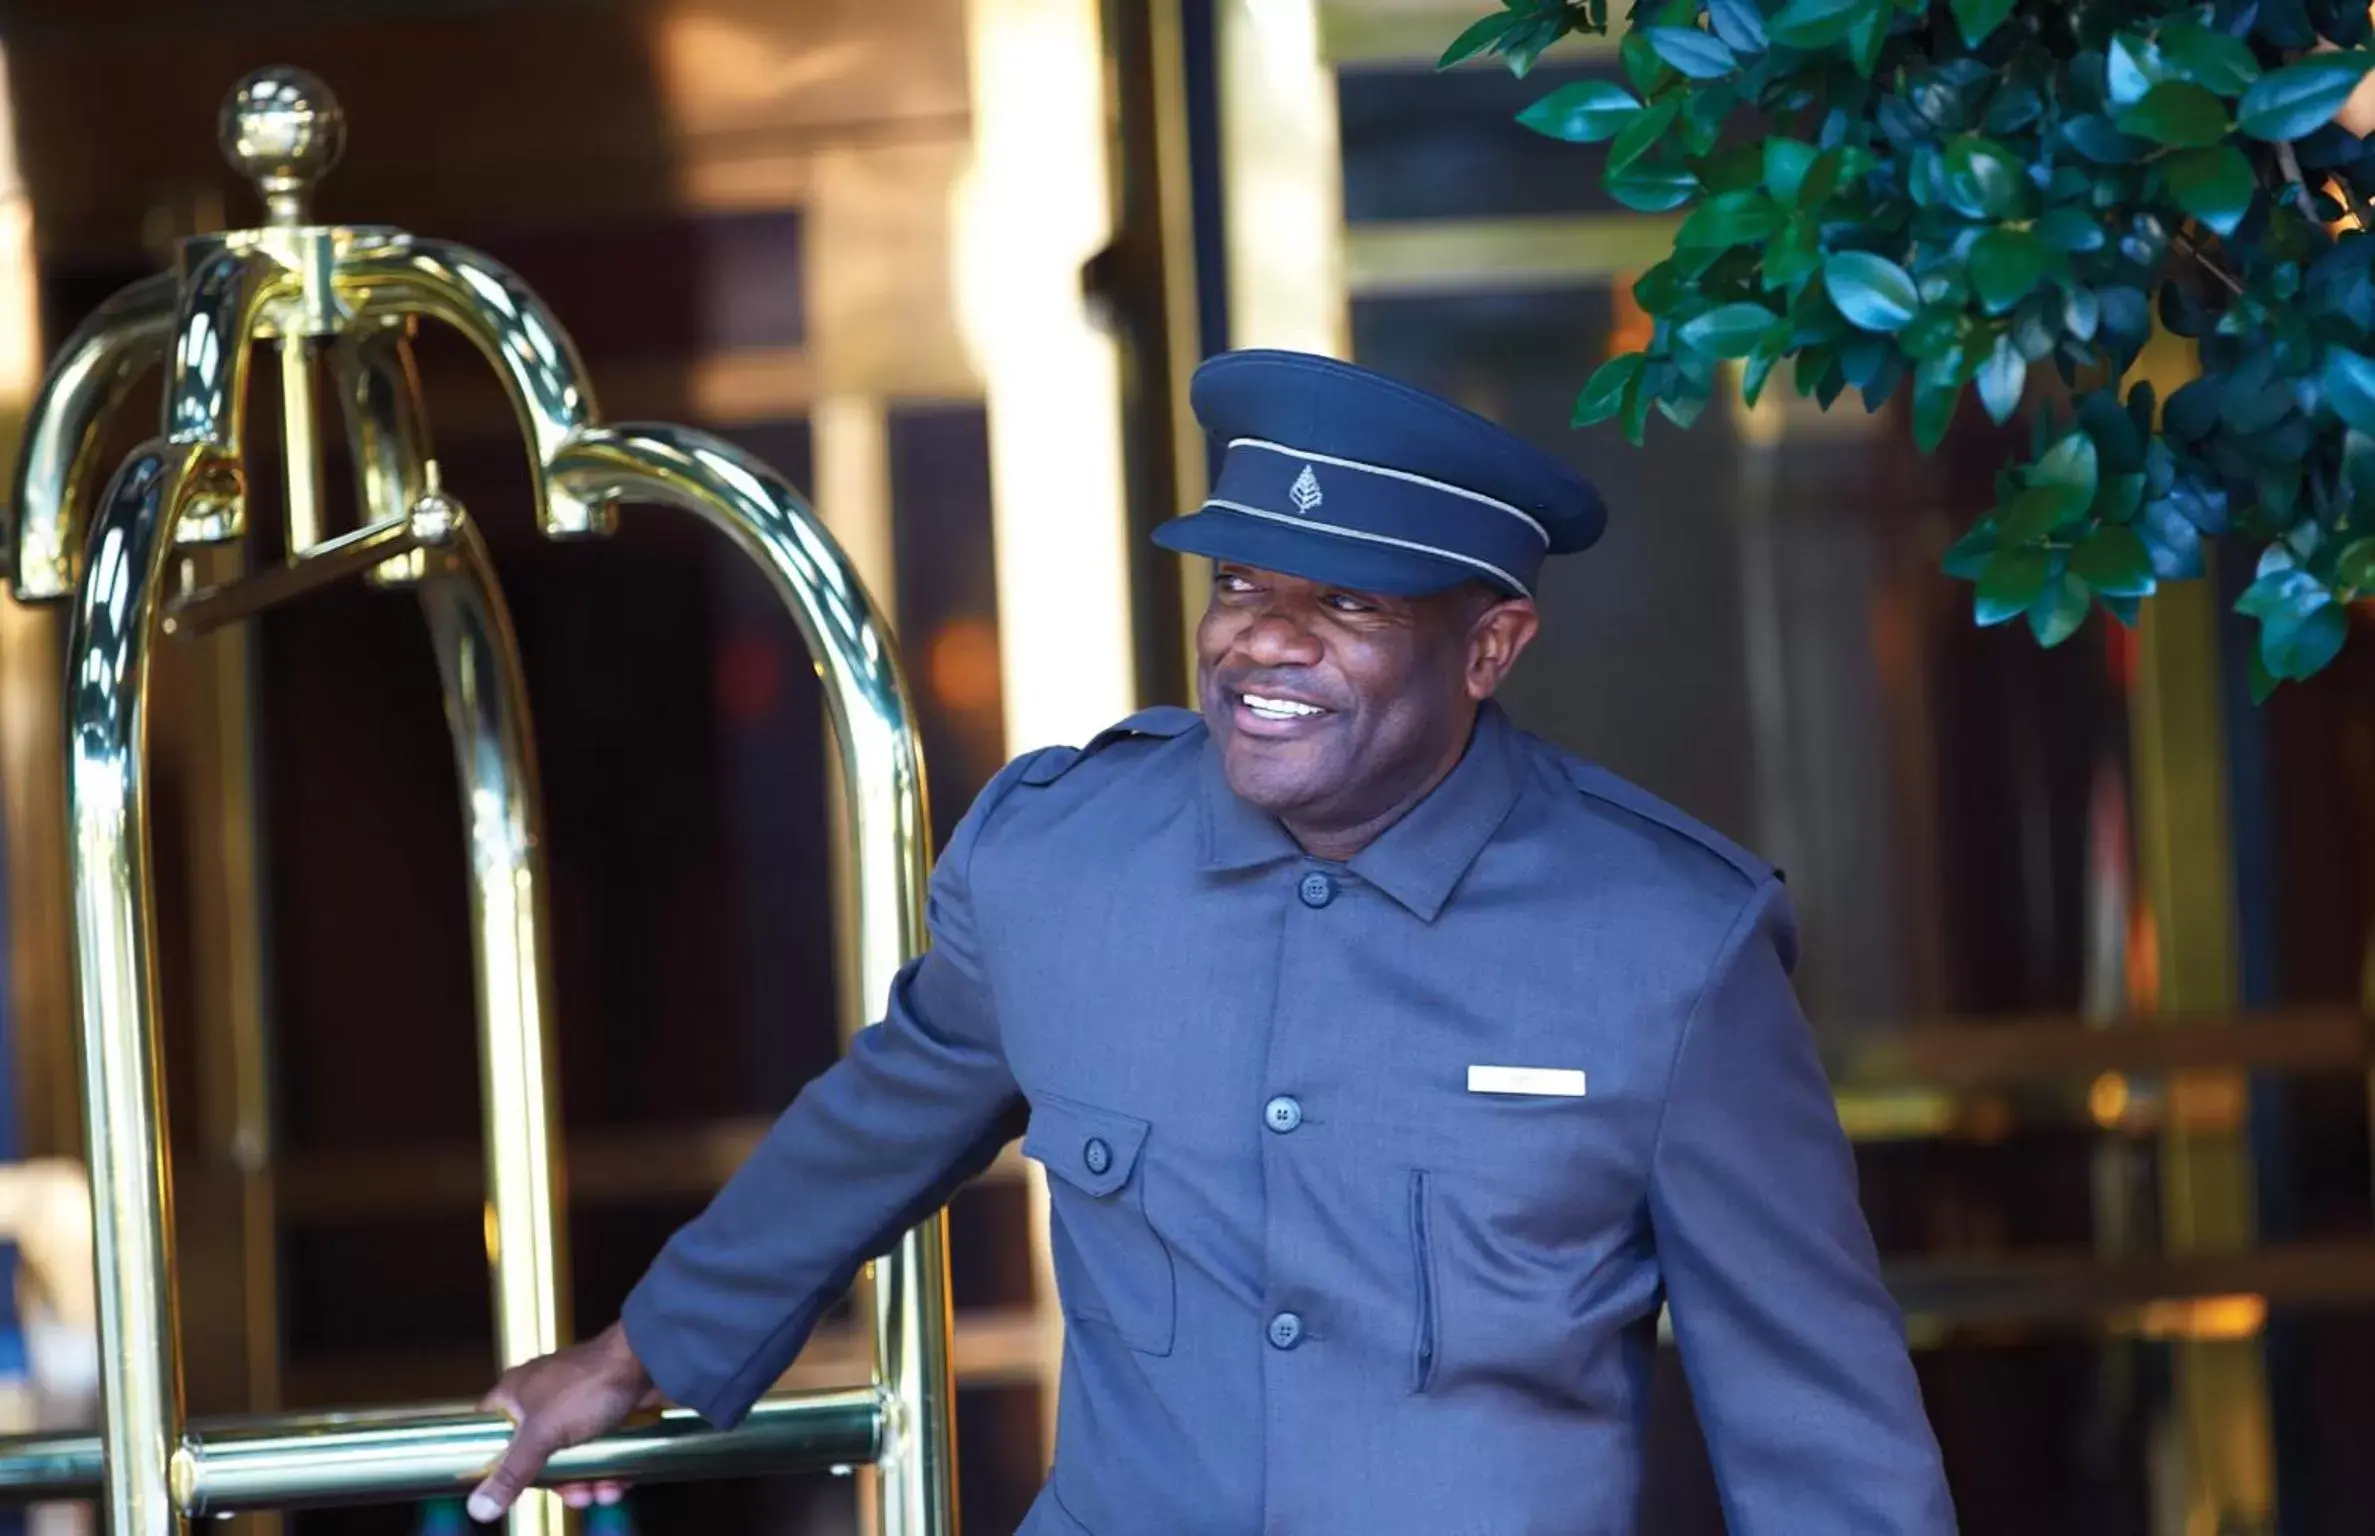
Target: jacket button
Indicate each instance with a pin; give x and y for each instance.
(1282, 1114)
(1317, 890)
(1097, 1155)
(1286, 1330)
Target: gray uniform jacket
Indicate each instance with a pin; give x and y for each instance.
(1319, 1272)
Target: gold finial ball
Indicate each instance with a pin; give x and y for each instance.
(282, 129)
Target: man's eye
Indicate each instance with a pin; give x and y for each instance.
(1343, 603)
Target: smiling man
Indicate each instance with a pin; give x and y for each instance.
(1390, 1068)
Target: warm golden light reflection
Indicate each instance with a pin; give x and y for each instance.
(961, 665)
(2204, 1317)
(1283, 218)
(1030, 210)
(2107, 1100)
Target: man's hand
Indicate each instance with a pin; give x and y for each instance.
(560, 1400)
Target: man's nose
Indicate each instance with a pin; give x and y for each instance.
(1278, 639)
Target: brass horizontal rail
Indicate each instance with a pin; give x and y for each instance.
(2000, 1053)
(312, 1461)
(2079, 1287)
(332, 560)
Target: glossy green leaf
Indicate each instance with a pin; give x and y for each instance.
(2009, 583)
(1818, 23)
(1649, 188)
(2081, 313)
(1823, 178)
(2006, 263)
(1873, 292)
(1682, 410)
(1786, 162)
(1757, 370)
(2212, 60)
(1634, 416)
(1934, 403)
(1730, 218)
(2069, 470)
(2093, 136)
(1584, 112)
(2071, 229)
(1968, 555)
(1479, 37)
(1738, 169)
(1740, 23)
(2177, 113)
(2355, 566)
(2298, 99)
(2118, 447)
(1984, 180)
(2120, 496)
(2000, 380)
(2032, 515)
(2349, 380)
(2114, 561)
(2132, 66)
(1866, 36)
(2282, 589)
(2214, 185)
(1697, 54)
(2303, 647)
(1976, 19)
(1604, 394)
(2059, 610)
(1641, 63)
(1729, 331)
(1795, 254)
(1641, 135)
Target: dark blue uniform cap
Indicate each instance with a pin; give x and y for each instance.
(1340, 475)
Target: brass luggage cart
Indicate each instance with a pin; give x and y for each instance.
(350, 298)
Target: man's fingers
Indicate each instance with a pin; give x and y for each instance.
(522, 1460)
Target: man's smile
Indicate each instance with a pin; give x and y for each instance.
(1275, 714)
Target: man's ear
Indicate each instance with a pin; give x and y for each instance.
(1498, 637)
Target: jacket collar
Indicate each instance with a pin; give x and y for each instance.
(1420, 859)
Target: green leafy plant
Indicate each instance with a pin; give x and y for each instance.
(1940, 197)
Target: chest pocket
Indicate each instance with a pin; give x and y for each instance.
(1113, 1268)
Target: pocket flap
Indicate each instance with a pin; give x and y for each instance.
(1094, 1150)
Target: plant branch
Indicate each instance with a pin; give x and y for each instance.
(2292, 173)
(2209, 266)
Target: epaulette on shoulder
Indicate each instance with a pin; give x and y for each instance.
(1600, 784)
(1161, 723)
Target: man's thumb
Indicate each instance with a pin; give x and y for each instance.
(522, 1459)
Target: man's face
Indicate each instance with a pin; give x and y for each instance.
(1334, 709)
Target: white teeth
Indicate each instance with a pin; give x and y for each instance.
(1279, 709)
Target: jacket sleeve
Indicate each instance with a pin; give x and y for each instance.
(918, 1105)
(1794, 1350)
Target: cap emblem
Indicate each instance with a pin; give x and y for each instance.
(1305, 492)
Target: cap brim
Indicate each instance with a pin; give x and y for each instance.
(1220, 534)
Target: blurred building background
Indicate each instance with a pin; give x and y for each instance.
(2087, 934)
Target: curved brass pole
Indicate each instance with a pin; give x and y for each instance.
(494, 756)
(882, 775)
(106, 355)
(114, 920)
(386, 427)
(486, 711)
(223, 299)
(383, 275)
(206, 388)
